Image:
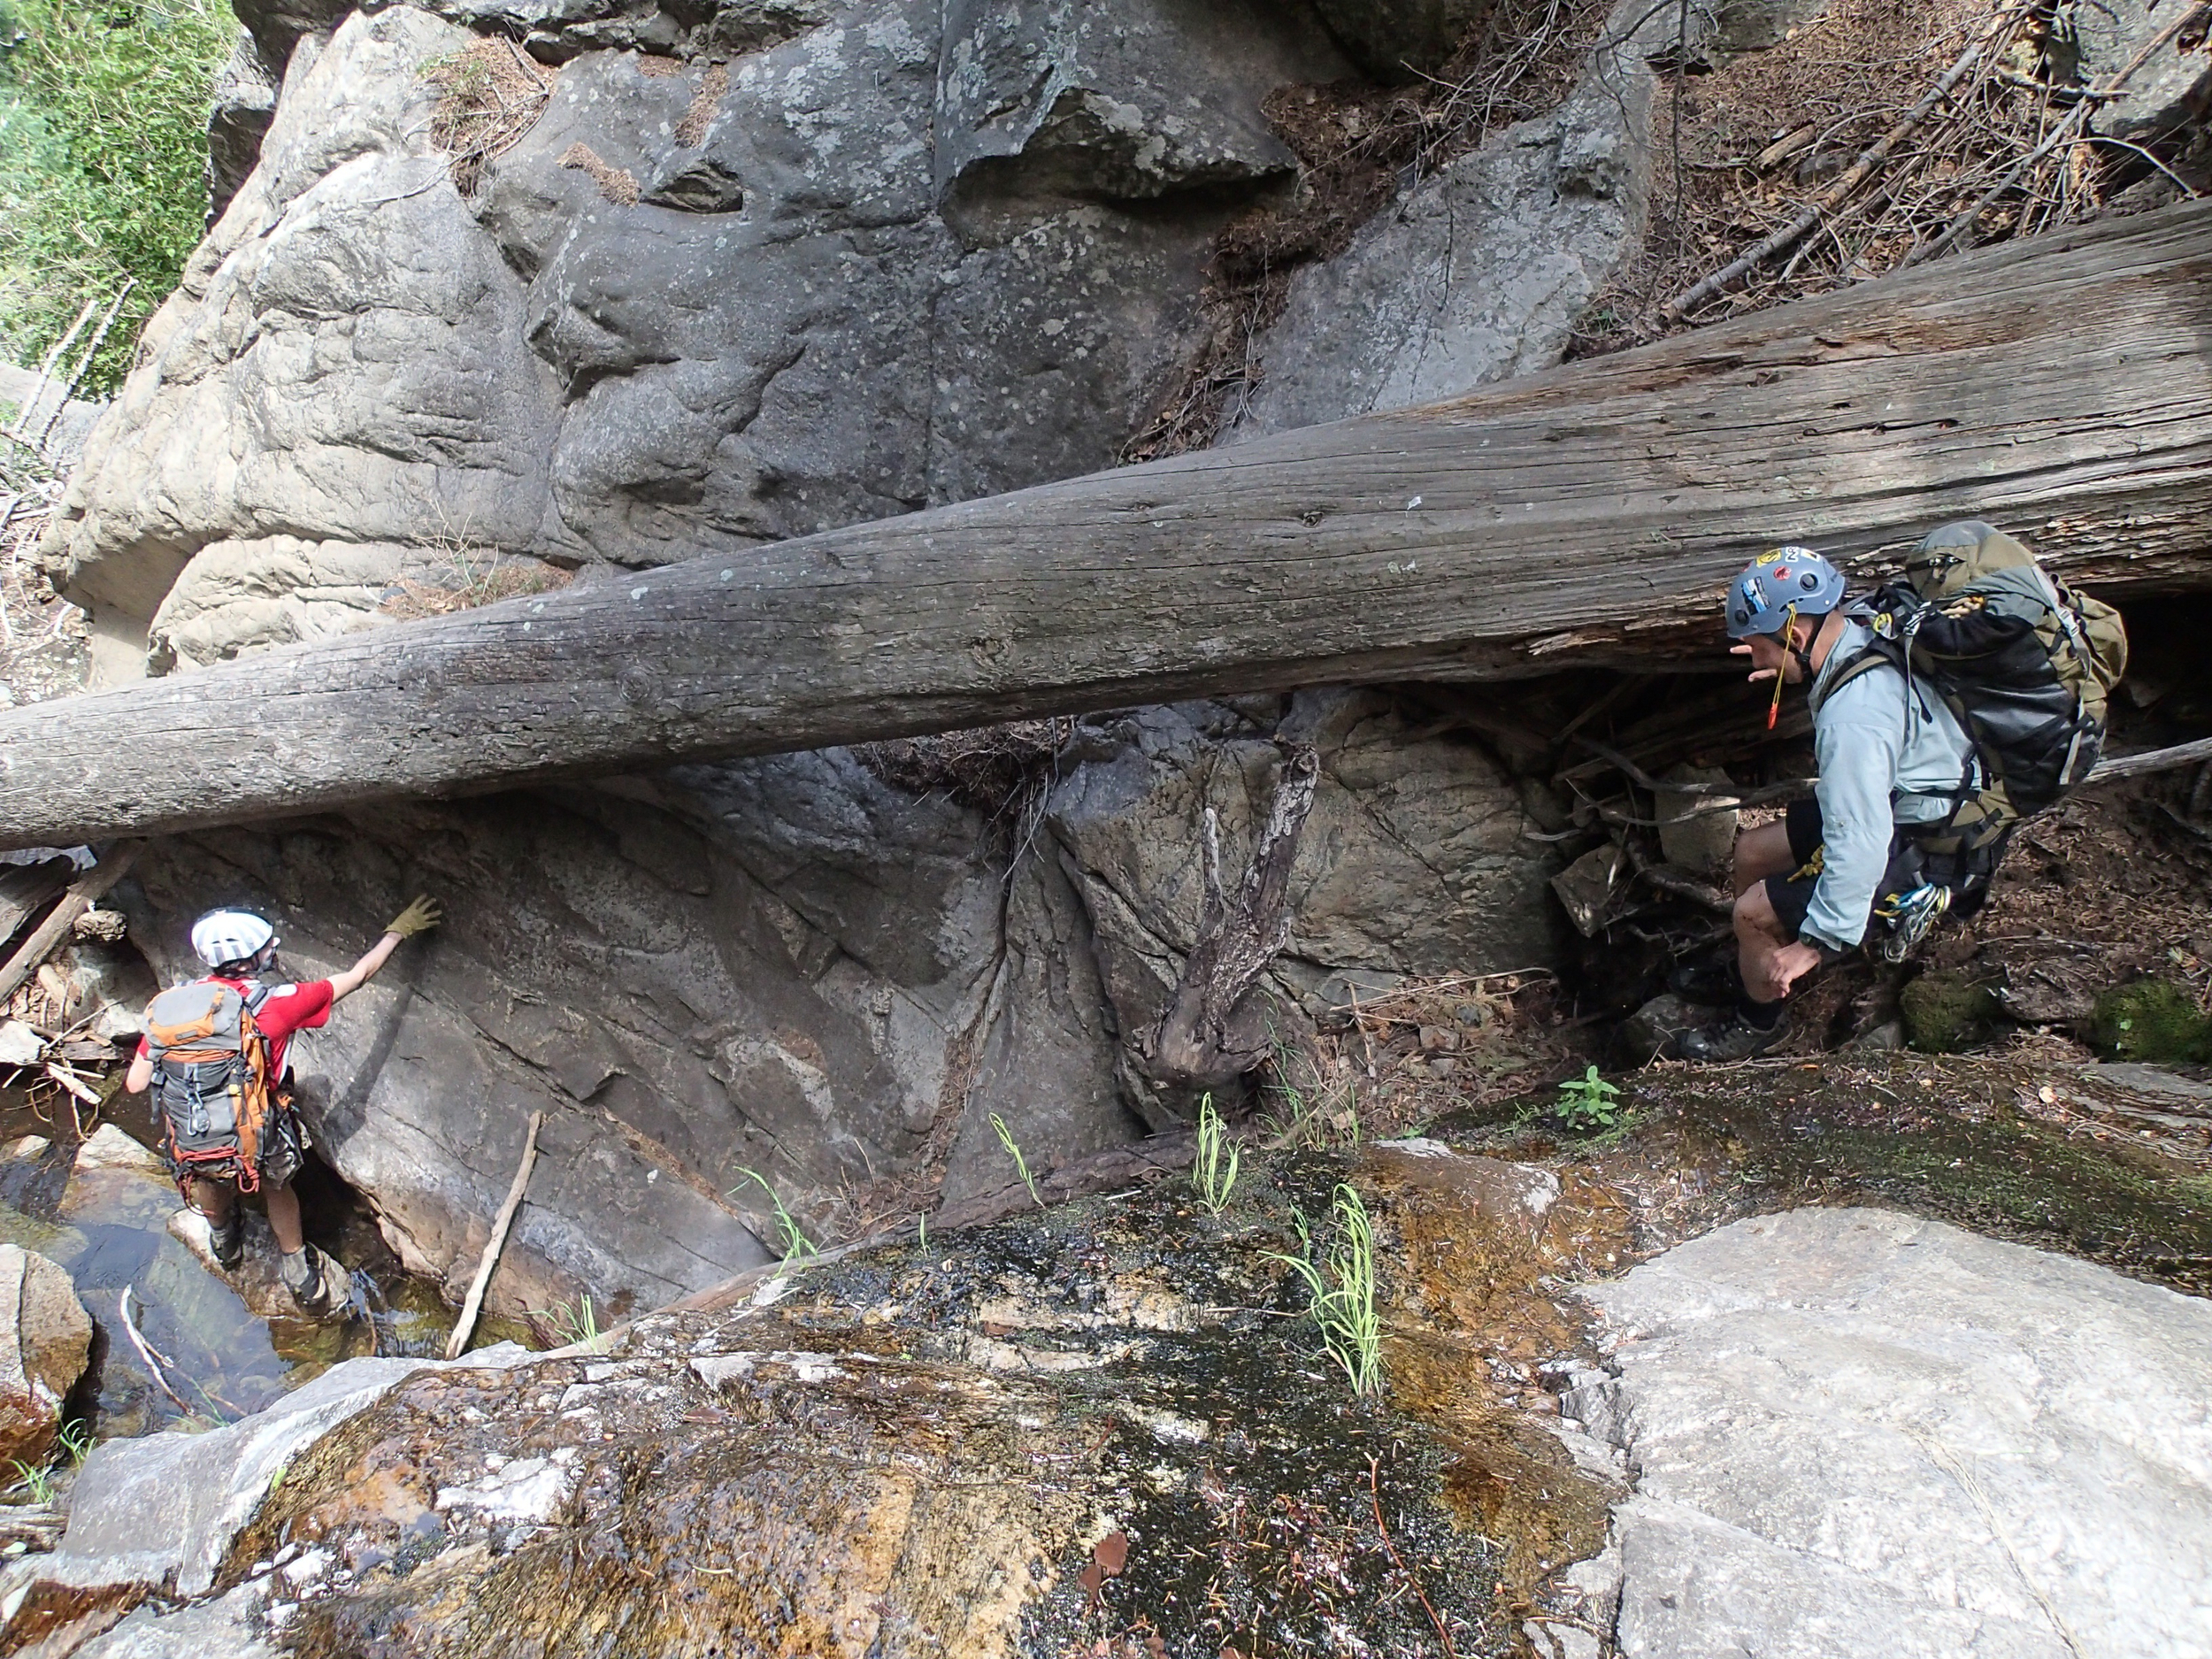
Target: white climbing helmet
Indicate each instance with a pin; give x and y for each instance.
(225, 936)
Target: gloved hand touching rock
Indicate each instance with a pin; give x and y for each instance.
(418, 917)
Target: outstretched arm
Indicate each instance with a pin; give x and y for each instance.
(418, 917)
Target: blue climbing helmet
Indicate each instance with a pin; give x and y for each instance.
(1778, 587)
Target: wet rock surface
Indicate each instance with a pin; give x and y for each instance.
(162, 1510)
(1112, 1422)
(1088, 1424)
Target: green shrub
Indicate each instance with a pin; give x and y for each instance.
(2153, 1020)
(103, 163)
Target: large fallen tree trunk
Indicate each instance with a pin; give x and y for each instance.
(2060, 388)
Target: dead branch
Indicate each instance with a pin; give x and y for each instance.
(152, 1356)
(49, 933)
(1853, 177)
(46, 367)
(466, 1323)
(2114, 768)
(2060, 133)
(1192, 1046)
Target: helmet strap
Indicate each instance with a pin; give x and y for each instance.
(1789, 643)
(1804, 659)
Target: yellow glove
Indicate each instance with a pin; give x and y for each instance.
(418, 917)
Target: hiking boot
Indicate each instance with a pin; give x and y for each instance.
(305, 1278)
(1714, 982)
(1735, 1037)
(227, 1239)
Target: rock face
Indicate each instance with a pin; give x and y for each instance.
(2172, 89)
(1394, 40)
(1750, 25)
(1859, 1433)
(1479, 271)
(793, 967)
(45, 1339)
(735, 272)
(845, 260)
(1413, 860)
(240, 109)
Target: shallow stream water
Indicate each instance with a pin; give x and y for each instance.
(101, 1208)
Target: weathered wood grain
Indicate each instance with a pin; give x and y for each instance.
(2059, 387)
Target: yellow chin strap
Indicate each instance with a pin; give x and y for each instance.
(1774, 709)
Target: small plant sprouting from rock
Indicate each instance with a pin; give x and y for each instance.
(37, 1480)
(1343, 1291)
(572, 1324)
(796, 1246)
(491, 94)
(1588, 1102)
(1021, 1164)
(1213, 1177)
(462, 573)
(75, 1441)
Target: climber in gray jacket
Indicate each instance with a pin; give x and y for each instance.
(1892, 757)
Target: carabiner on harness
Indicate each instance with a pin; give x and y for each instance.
(1907, 917)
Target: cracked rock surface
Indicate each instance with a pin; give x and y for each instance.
(755, 269)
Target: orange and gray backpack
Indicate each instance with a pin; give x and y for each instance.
(211, 1083)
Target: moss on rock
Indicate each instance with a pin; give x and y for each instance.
(2150, 1019)
(1946, 1009)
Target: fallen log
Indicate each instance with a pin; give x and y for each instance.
(2059, 387)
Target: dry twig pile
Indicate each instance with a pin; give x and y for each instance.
(1884, 133)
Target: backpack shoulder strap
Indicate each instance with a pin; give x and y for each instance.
(1876, 653)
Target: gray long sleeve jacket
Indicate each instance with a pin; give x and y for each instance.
(1880, 765)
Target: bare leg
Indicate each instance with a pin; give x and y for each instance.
(1762, 852)
(1759, 937)
(215, 1200)
(284, 1217)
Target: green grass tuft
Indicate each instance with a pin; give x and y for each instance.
(1342, 1288)
(573, 1324)
(1214, 1177)
(796, 1246)
(1021, 1164)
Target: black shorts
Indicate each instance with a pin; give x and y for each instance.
(1792, 896)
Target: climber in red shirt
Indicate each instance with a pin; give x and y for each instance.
(199, 1081)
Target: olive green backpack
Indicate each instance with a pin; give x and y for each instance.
(2024, 663)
